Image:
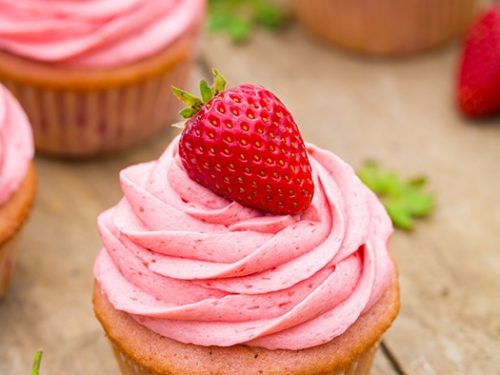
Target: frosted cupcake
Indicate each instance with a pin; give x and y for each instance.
(17, 181)
(199, 279)
(386, 27)
(93, 76)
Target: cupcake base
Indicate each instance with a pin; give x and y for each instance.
(361, 366)
(13, 215)
(140, 351)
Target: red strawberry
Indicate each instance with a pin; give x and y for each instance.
(479, 79)
(244, 145)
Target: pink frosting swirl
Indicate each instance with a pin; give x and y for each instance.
(199, 269)
(16, 144)
(94, 33)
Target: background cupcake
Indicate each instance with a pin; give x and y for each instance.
(17, 181)
(94, 76)
(386, 27)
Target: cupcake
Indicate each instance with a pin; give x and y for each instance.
(93, 76)
(242, 250)
(17, 181)
(386, 27)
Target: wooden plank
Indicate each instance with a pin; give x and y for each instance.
(382, 365)
(402, 114)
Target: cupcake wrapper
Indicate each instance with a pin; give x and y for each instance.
(386, 27)
(82, 123)
(361, 366)
(8, 255)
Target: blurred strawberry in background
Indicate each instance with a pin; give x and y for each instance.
(479, 71)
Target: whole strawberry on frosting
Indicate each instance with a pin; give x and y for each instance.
(243, 144)
(479, 74)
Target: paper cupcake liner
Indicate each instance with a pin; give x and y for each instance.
(360, 366)
(8, 255)
(79, 123)
(386, 27)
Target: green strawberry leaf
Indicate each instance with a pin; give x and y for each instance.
(238, 18)
(404, 200)
(400, 217)
(418, 204)
(377, 181)
(218, 18)
(36, 362)
(219, 82)
(188, 99)
(193, 103)
(187, 113)
(417, 182)
(206, 91)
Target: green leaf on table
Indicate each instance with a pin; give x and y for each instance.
(269, 15)
(404, 200)
(36, 362)
(238, 30)
(238, 18)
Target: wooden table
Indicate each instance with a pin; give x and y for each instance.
(400, 113)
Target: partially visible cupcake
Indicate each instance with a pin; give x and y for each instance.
(94, 76)
(386, 27)
(244, 251)
(17, 181)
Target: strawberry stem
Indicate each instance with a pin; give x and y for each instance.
(187, 98)
(36, 362)
(193, 103)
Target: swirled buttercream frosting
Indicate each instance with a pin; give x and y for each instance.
(16, 145)
(94, 33)
(194, 267)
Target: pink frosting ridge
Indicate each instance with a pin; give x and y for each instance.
(94, 33)
(16, 144)
(199, 269)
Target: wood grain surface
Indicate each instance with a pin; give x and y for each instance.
(400, 113)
